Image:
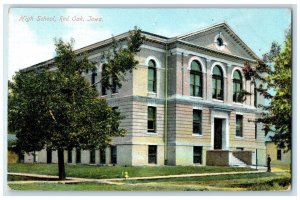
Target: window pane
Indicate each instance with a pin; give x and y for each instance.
(197, 155)
(151, 119)
(192, 78)
(150, 125)
(102, 156)
(219, 84)
(113, 154)
(197, 80)
(236, 75)
(238, 87)
(192, 90)
(197, 118)
(92, 156)
(195, 66)
(239, 125)
(214, 83)
(150, 86)
(151, 74)
(151, 64)
(150, 113)
(217, 71)
(152, 154)
(197, 92)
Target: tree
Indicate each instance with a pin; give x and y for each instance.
(59, 110)
(274, 75)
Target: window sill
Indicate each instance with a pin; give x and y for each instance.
(195, 97)
(197, 135)
(217, 100)
(151, 133)
(197, 164)
(151, 94)
(239, 137)
(238, 103)
(152, 164)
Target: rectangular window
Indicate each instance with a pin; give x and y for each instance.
(92, 156)
(152, 154)
(197, 122)
(240, 148)
(78, 156)
(151, 119)
(239, 126)
(279, 154)
(49, 156)
(70, 156)
(102, 156)
(197, 155)
(113, 154)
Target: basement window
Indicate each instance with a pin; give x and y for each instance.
(152, 154)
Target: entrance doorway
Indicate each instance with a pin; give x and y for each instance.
(218, 133)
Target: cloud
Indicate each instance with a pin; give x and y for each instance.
(85, 32)
(24, 48)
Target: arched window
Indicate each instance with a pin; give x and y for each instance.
(151, 76)
(196, 79)
(217, 83)
(237, 86)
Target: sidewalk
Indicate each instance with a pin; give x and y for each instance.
(112, 180)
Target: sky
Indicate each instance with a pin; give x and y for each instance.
(31, 37)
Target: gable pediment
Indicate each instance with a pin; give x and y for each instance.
(220, 38)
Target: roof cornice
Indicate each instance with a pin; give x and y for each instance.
(214, 51)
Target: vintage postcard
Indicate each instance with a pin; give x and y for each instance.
(149, 99)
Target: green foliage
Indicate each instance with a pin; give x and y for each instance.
(121, 59)
(274, 73)
(58, 109)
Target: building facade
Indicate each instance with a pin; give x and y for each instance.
(182, 101)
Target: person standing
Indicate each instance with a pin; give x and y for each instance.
(269, 163)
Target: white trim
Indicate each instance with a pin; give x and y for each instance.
(151, 104)
(225, 128)
(203, 65)
(222, 67)
(220, 35)
(240, 70)
(197, 107)
(157, 63)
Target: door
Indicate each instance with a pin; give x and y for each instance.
(218, 134)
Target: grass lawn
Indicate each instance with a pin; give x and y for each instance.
(88, 171)
(244, 182)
